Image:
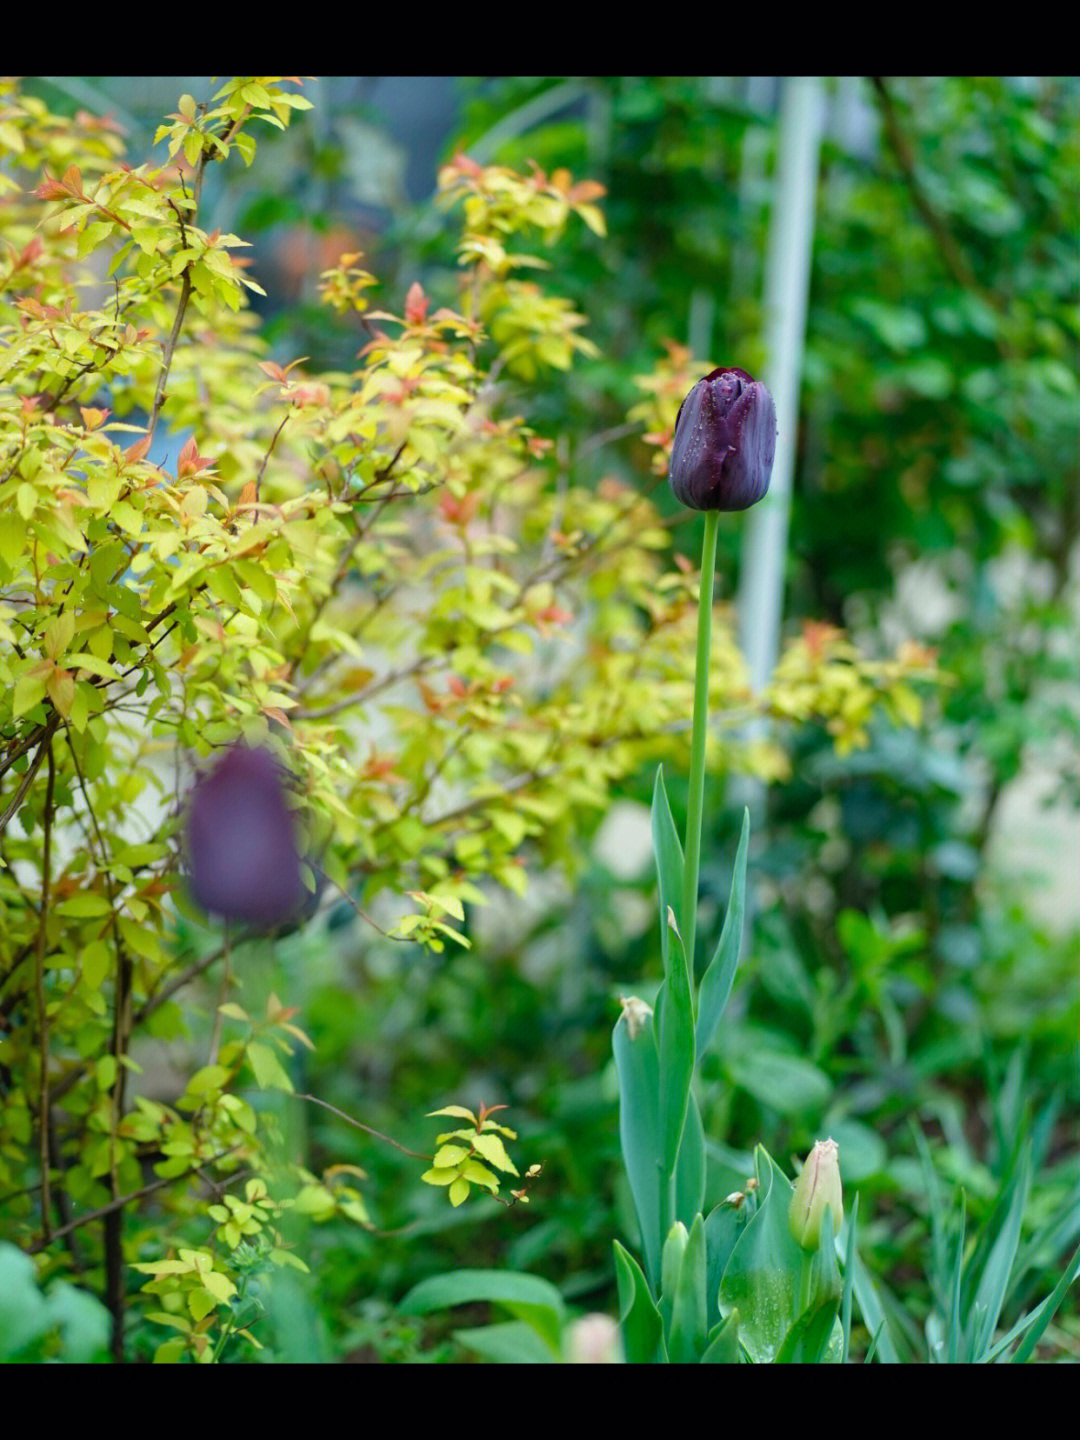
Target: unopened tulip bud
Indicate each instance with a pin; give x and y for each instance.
(817, 1190)
(242, 858)
(672, 1257)
(725, 443)
(594, 1340)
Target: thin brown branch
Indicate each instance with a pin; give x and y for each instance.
(355, 904)
(955, 261)
(195, 969)
(415, 667)
(416, 1154)
(115, 1205)
(270, 451)
(168, 352)
(44, 1111)
(45, 733)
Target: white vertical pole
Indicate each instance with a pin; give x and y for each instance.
(787, 284)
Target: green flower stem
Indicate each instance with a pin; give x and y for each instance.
(696, 800)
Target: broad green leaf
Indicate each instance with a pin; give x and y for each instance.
(718, 978)
(723, 1226)
(788, 1083)
(269, 1074)
(457, 1110)
(448, 1155)
(494, 1151)
(639, 1318)
(23, 1311)
(511, 1343)
(542, 1319)
(762, 1274)
(29, 691)
(503, 1287)
(638, 1072)
(84, 907)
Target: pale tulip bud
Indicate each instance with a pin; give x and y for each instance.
(594, 1340)
(816, 1190)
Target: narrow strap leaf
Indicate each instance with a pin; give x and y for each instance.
(717, 980)
(638, 1071)
(639, 1318)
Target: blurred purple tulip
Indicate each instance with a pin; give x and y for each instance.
(242, 858)
(725, 443)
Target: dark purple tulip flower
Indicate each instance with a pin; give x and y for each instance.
(241, 842)
(725, 442)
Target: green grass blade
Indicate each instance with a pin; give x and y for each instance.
(718, 978)
(955, 1326)
(993, 1284)
(872, 1351)
(849, 1276)
(535, 1302)
(873, 1314)
(1041, 1316)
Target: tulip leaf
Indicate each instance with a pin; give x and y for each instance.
(723, 1346)
(676, 1036)
(689, 1323)
(813, 1336)
(639, 1319)
(817, 1336)
(669, 866)
(717, 981)
(638, 1071)
(723, 1226)
(762, 1273)
(690, 1168)
(675, 1011)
